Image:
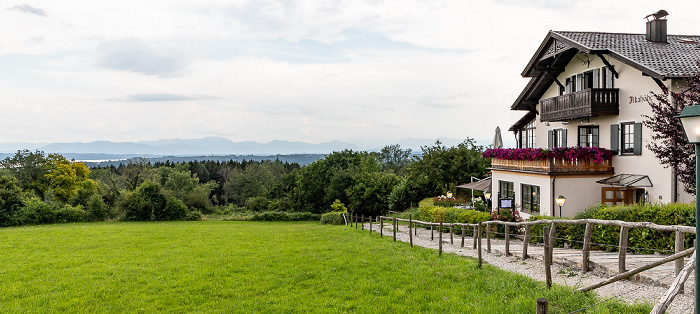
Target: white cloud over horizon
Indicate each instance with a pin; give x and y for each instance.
(364, 72)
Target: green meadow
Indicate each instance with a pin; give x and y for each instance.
(272, 267)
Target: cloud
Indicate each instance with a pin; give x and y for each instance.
(135, 55)
(28, 9)
(163, 97)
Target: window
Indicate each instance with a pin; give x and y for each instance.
(530, 198)
(568, 88)
(506, 189)
(607, 77)
(588, 136)
(527, 135)
(591, 78)
(626, 138)
(557, 138)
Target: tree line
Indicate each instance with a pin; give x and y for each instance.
(38, 188)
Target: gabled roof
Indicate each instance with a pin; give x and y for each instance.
(674, 59)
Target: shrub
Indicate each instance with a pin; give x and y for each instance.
(284, 216)
(257, 204)
(96, 208)
(607, 237)
(448, 202)
(452, 215)
(334, 218)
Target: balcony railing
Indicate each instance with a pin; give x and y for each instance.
(552, 165)
(586, 103)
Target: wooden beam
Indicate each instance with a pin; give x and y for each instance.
(605, 61)
(675, 288)
(627, 274)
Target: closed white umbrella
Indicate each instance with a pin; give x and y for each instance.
(497, 140)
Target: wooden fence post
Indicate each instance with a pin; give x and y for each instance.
(542, 306)
(440, 240)
(526, 240)
(464, 232)
(547, 257)
(680, 246)
(478, 237)
(396, 225)
(381, 226)
(410, 235)
(452, 242)
(507, 228)
(362, 223)
(585, 254)
(370, 224)
(622, 254)
(432, 234)
(488, 238)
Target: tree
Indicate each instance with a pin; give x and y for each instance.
(670, 145)
(10, 199)
(29, 168)
(446, 167)
(395, 159)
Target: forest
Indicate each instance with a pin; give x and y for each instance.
(37, 188)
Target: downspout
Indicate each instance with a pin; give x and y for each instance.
(551, 207)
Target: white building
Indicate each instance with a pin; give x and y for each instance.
(591, 89)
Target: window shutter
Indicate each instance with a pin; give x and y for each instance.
(595, 137)
(596, 78)
(614, 138)
(550, 139)
(563, 138)
(579, 82)
(637, 138)
(608, 78)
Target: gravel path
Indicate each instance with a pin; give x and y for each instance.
(627, 291)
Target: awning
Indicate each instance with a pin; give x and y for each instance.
(628, 180)
(483, 185)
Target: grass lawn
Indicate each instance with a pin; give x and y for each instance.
(278, 267)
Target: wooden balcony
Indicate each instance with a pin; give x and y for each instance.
(553, 166)
(586, 103)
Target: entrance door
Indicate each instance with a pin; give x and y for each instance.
(620, 195)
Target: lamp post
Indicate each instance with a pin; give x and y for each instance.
(449, 194)
(690, 119)
(560, 200)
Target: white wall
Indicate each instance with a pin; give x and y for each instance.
(631, 84)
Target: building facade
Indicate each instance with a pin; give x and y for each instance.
(592, 89)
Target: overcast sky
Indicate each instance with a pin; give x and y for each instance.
(365, 72)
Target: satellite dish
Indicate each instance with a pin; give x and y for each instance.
(657, 15)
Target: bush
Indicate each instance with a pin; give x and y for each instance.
(452, 215)
(448, 202)
(96, 208)
(257, 204)
(284, 216)
(334, 218)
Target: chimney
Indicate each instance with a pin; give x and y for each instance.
(656, 27)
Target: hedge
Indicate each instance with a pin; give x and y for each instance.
(641, 240)
(452, 215)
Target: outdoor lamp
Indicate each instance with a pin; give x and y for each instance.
(690, 119)
(487, 195)
(560, 200)
(449, 194)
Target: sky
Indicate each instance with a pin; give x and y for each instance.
(366, 72)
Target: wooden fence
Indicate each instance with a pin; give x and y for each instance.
(548, 240)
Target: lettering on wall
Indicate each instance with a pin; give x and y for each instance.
(638, 99)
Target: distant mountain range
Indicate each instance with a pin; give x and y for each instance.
(202, 146)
